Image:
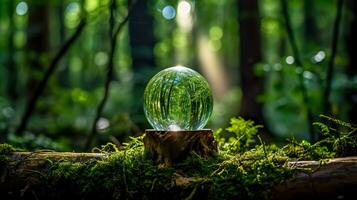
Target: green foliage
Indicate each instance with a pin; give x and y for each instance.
(242, 135)
(304, 150)
(107, 148)
(5, 150)
(29, 140)
(242, 169)
(339, 139)
(339, 136)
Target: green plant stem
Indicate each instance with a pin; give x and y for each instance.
(330, 66)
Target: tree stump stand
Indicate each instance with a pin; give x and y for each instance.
(167, 148)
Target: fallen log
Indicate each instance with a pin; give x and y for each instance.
(333, 179)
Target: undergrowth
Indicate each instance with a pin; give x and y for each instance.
(244, 168)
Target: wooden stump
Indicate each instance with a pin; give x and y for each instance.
(169, 147)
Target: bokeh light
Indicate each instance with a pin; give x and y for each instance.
(184, 8)
(72, 14)
(320, 56)
(101, 58)
(21, 8)
(168, 12)
(290, 60)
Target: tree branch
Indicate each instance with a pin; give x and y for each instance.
(292, 41)
(31, 105)
(113, 33)
(330, 67)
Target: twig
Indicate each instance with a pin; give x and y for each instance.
(31, 105)
(330, 67)
(292, 40)
(110, 68)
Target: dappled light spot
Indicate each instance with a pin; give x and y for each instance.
(184, 18)
(212, 67)
(174, 127)
(101, 58)
(79, 95)
(7, 112)
(103, 124)
(168, 12)
(21, 8)
(290, 60)
(90, 5)
(277, 67)
(320, 56)
(308, 75)
(215, 32)
(184, 8)
(72, 14)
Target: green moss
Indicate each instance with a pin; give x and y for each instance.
(243, 168)
(5, 151)
(128, 174)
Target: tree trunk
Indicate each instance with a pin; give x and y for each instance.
(250, 55)
(310, 27)
(142, 43)
(351, 93)
(37, 41)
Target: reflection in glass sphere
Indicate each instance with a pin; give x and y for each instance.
(178, 98)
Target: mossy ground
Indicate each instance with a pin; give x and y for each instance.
(244, 168)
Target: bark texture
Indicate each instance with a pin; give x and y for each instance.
(336, 179)
(169, 147)
(250, 55)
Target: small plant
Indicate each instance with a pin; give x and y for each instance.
(241, 137)
(339, 136)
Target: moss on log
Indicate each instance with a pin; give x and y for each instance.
(25, 171)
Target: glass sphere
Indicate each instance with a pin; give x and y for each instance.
(178, 98)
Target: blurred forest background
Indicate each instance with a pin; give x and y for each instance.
(68, 64)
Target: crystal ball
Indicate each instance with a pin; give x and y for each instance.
(178, 98)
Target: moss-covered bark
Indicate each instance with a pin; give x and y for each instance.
(243, 169)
